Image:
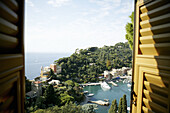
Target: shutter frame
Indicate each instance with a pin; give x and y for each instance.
(12, 74)
(151, 57)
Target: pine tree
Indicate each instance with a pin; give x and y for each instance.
(124, 104)
(113, 108)
(120, 106)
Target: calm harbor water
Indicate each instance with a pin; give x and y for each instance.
(114, 93)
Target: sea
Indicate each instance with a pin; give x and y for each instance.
(34, 61)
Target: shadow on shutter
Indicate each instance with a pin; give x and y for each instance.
(152, 57)
(11, 56)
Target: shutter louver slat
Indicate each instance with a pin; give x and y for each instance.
(7, 103)
(155, 21)
(155, 12)
(155, 49)
(156, 98)
(15, 61)
(160, 38)
(8, 42)
(155, 89)
(153, 106)
(155, 30)
(146, 110)
(8, 28)
(152, 5)
(12, 4)
(155, 26)
(8, 14)
(157, 80)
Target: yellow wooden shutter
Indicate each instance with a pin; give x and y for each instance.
(151, 78)
(11, 56)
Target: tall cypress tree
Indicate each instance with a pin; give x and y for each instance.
(124, 104)
(113, 108)
(120, 106)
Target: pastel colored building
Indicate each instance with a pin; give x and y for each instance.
(54, 67)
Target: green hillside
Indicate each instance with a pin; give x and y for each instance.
(85, 65)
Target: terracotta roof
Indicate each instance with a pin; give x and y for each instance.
(37, 82)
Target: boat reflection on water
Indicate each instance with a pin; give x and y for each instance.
(105, 86)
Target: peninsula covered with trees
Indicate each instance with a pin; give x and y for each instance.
(85, 65)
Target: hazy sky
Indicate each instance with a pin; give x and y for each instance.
(64, 25)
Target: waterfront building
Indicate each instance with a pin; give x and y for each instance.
(47, 69)
(54, 68)
(116, 72)
(107, 75)
(113, 72)
(129, 72)
(44, 73)
(124, 70)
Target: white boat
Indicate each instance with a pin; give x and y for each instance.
(104, 85)
(128, 85)
(91, 94)
(128, 108)
(85, 92)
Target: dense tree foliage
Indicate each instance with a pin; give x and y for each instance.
(27, 85)
(129, 31)
(85, 65)
(124, 104)
(50, 96)
(113, 108)
(67, 108)
(120, 106)
(67, 92)
(89, 108)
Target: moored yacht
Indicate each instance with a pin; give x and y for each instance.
(91, 94)
(128, 85)
(86, 92)
(104, 85)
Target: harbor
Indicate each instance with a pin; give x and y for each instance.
(100, 96)
(126, 79)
